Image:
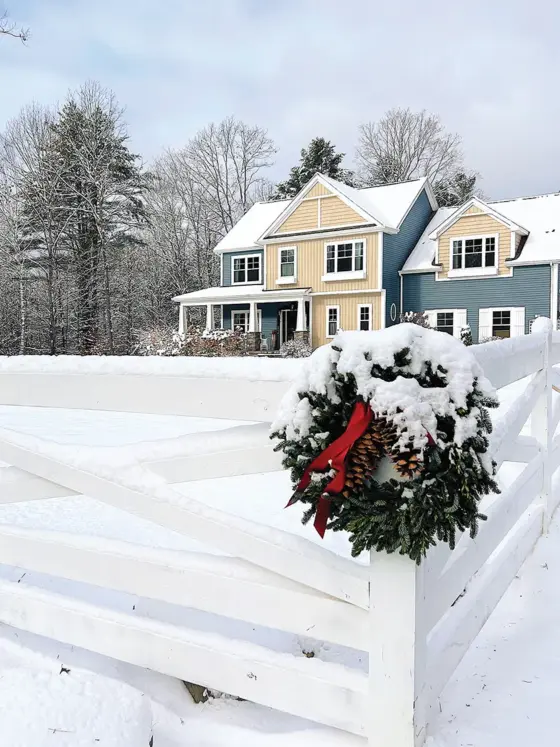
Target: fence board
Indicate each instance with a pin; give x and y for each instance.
(277, 551)
(508, 427)
(312, 689)
(471, 554)
(451, 640)
(232, 399)
(221, 585)
(506, 361)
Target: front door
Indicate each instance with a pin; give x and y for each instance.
(288, 321)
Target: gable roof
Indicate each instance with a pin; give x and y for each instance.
(384, 206)
(539, 217)
(485, 209)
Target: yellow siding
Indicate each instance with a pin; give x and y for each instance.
(348, 313)
(311, 264)
(304, 218)
(334, 212)
(476, 225)
(317, 191)
(473, 210)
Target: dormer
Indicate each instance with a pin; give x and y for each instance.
(476, 241)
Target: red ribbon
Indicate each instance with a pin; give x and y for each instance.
(334, 457)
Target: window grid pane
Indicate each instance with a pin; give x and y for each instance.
(490, 252)
(239, 270)
(239, 320)
(347, 257)
(473, 253)
(457, 255)
(444, 322)
(253, 268)
(287, 263)
(358, 256)
(333, 322)
(501, 323)
(364, 319)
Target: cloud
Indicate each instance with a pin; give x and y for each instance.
(302, 68)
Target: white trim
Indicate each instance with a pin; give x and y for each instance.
(401, 300)
(298, 199)
(319, 210)
(383, 309)
(380, 260)
(327, 309)
(485, 210)
(359, 308)
(349, 274)
(222, 269)
(245, 257)
(246, 312)
(286, 280)
(554, 294)
(347, 292)
(392, 316)
(332, 233)
(464, 271)
(265, 275)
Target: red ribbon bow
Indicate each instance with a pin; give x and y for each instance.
(334, 457)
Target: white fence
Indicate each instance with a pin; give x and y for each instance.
(416, 623)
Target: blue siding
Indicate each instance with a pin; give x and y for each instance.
(528, 287)
(269, 315)
(397, 247)
(226, 260)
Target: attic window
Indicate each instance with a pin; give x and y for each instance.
(473, 256)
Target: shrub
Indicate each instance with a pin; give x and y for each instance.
(195, 341)
(295, 349)
(466, 335)
(415, 317)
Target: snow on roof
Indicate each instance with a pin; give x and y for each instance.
(539, 215)
(387, 206)
(246, 231)
(236, 292)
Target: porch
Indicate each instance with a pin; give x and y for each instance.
(268, 318)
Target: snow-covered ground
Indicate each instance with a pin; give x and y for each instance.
(502, 693)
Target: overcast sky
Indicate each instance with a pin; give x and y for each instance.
(302, 68)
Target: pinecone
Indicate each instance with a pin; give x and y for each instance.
(378, 440)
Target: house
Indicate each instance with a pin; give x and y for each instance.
(492, 265)
(326, 260)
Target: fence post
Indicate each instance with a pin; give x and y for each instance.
(541, 419)
(393, 651)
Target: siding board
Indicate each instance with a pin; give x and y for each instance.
(528, 287)
(475, 225)
(304, 218)
(226, 259)
(335, 212)
(348, 313)
(311, 264)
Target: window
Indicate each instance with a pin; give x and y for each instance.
(240, 320)
(246, 269)
(501, 323)
(444, 322)
(364, 317)
(333, 320)
(287, 267)
(478, 252)
(346, 257)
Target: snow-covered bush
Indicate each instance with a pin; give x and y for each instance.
(415, 317)
(195, 341)
(295, 349)
(466, 335)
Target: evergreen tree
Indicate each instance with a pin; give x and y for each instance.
(320, 157)
(455, 190)
(99, 200)
(466, 335)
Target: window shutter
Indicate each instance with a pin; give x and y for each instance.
(459, 321)
(518, 321)
(432, 318)
(484, 324)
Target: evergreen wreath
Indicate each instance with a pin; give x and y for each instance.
(386, 437)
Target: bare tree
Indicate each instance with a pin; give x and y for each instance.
(9, 28)
(406, 145)
(226, 161)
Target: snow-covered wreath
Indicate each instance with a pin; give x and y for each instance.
(386, 437)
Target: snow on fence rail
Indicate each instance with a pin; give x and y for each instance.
(415, 622)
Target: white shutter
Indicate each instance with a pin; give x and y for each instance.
(432, 318)
(518, 321)
(484, 324)
(459, 321)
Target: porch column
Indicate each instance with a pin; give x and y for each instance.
(209, 316)
(301, 322)
(253, 316)
(182, 319)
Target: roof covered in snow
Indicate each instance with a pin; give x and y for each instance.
(223, 294)
(540, 216)
(386, 206)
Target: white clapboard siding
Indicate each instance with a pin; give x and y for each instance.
(309, 688)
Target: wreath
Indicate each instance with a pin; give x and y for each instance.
(386, 437)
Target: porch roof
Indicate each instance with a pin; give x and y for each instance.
(239, 294)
